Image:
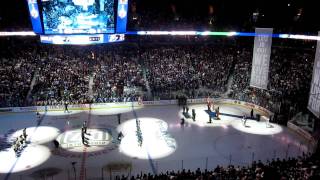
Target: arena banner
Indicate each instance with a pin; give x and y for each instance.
(261, 58)
(314, 95)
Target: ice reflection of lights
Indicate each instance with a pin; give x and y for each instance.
(72, 141)
(202, 118)
(157, 142)
(32, 156)
(254, 127)
(95, 109)
(60, 112)
(111, 111)
(114, 108)
(40, 135)
(224, 126)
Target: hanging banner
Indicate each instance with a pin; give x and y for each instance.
(261, 58)
(314, 96)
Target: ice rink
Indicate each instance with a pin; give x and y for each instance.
(166, 144)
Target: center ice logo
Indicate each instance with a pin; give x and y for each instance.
(72, 139)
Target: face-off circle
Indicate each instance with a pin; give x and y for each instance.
(98, 139)
(157, 142)
(37, 135)
(32, 156)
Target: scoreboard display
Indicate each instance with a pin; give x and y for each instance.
(78, 16)
(81, 39)
(54, 18)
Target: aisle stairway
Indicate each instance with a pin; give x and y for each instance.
(149, 94)
(28, 99)
(229, 85)
(90, 91)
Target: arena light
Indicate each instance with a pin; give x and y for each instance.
(152, 33)
(246, 34)
(205, 33)
(183, 33)
(232, 34)
(217, 33)
(210, 33)
(18, 33)
(253, 34)
(297, 36)
(173, 33)
(285, 36)
(61, 112)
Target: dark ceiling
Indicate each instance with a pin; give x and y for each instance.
(233, 13)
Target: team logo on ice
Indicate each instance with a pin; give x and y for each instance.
(72, 139)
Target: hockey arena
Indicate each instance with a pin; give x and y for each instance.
(167, 143)
(159, 90)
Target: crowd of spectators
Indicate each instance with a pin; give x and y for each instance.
(291, 72)
(116, 72)
(60, 77)
(240, 88)
(305, 167)
(16, 72)
(35, 74)
(289, 80)
(187, 68)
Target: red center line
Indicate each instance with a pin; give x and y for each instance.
(84, 154)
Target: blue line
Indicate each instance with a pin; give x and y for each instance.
(154, 171)
(11, 169)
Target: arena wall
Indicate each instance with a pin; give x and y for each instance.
(263, 111)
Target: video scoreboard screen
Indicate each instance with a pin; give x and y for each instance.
(79, 17)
